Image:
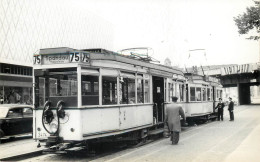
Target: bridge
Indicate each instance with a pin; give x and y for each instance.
(240, 76)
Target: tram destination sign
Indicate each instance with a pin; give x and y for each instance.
(61, 58)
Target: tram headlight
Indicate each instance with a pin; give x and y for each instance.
(53, 127)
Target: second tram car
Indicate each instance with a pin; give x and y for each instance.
(81, 96)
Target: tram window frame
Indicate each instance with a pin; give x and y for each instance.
(127, 88)
(198, 95)
(193, 94)
(181, 86)
(204, 94)
(140, 88)
(146, 91)
(109, 90)
(89, 93)
(177, 93)
(208, 94)
(170, 91)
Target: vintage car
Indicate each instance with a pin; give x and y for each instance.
(15, 120)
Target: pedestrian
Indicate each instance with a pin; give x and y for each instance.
(220, 108)
(172, 119)
(231, 109)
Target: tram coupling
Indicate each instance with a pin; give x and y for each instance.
(53, 140)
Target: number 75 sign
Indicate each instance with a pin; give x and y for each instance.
(79, 57)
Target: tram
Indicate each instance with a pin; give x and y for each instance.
(202, 93)
(83, 96)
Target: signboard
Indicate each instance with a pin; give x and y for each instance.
(72, 57)
(237, 69)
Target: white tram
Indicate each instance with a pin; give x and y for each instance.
(202, 92)
(81, 96)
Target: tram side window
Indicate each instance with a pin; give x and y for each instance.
(90, 90)
(192, 94)
(128, 91)
(146, 91)
(140, 90)
(208, 94)
(219, 93)
(109, 90)
(198, 94)
(181, 92)
(170, 91)
(203, 94)
(177, 91)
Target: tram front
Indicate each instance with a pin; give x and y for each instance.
(56, 114)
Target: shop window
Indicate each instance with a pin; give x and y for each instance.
(90, 90)
(109, 90)
(192, 94)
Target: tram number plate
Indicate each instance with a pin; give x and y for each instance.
(85, 57)
(37, 59)
(74, 57)
(41, 134)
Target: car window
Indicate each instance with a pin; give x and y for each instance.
(14, 113)
(27, 112)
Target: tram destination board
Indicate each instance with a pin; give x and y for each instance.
(72, 57)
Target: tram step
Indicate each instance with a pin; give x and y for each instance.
(157, 131)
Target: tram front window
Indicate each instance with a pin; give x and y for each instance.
(90, 90)
(55, 85)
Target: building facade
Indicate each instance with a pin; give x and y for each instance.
(29, 25)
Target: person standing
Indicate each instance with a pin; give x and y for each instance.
(172, 118)
(220, 108)
(231, 109)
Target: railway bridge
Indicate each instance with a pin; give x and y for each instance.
(240, 76)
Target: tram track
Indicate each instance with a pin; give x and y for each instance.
(120, 151)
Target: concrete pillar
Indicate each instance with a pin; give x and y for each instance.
(238, 94)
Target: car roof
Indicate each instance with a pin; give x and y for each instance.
(9, 106)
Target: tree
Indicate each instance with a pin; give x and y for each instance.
(249, 21)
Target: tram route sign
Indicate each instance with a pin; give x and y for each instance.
(72, 57)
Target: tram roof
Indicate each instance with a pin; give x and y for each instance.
(103, 54)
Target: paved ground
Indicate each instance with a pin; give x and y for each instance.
(17, 146)
(215, 141)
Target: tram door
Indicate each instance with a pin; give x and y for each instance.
(158, 99)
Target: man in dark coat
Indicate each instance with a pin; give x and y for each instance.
(172, 118)
(231, 109)
(220, 108)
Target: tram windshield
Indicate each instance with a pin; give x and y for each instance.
(55, 85)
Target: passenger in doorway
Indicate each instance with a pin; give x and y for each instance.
(231, 109)
(172, 119)
(220, 108)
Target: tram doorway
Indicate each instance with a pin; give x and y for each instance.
(158, 99)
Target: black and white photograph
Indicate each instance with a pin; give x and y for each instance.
(130, 80)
